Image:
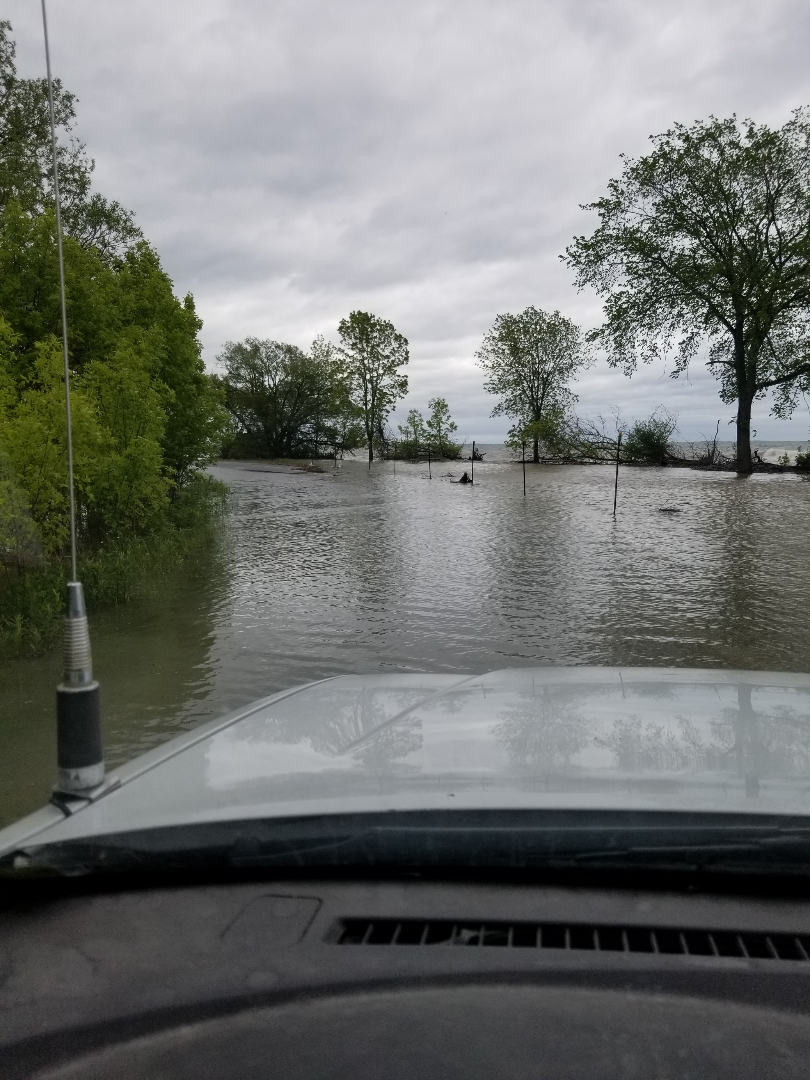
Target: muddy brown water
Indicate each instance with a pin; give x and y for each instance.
(317, 574)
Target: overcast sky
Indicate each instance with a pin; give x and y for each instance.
(293, 161)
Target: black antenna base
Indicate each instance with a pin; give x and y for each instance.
(79, 750)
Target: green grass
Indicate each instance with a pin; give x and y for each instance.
(32, 599)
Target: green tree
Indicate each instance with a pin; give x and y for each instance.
(555, 434)
(648, 441)
(272, 393)
(118, 421)
(105, 301)
(414, 434)
(528, 360)
(440, 427)
(707, 240)
(146, 415)
(373, 352)
(26, 169)
(285, 402)
(336, 426)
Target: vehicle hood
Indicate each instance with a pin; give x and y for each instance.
(584, 738)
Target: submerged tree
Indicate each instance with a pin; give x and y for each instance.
(431, 436)
(336, 425)
(649, 441)
(440, 426)
(287, 403)
(529, 360)
(272, 391)
(413, 434)
(707, 239)
(373, 352)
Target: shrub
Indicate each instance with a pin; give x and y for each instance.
(648, 441)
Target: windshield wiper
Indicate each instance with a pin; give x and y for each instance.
(433, 840)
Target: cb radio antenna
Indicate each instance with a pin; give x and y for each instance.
(79, 750)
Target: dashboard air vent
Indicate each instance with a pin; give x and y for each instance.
(633, 939)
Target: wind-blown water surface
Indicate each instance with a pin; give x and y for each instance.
(348, 570)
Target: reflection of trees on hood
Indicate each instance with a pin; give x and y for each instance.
(757, 744)
(541, 732)
(378, 753)
(331, 732)
(641, 747)
(750, 743)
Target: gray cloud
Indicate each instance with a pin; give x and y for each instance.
(424, 160)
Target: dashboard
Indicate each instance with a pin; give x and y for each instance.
(395, 978)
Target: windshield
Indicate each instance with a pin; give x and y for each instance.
(353, 300)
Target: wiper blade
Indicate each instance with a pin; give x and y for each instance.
(441, 839)
(796, 846)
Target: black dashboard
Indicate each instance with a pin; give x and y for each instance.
(395, 978)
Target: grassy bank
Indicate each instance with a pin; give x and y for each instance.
(32, 597)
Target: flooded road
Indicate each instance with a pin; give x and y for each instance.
(318, 574)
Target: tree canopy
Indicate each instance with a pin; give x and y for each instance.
(528, 360)
(706, 240)
(146, 416)
(285, 402)
(432, 436)
(26, 162)
(373, 352)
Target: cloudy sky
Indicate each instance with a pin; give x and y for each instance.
(421, 159)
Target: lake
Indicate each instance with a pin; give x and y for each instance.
(351, 570)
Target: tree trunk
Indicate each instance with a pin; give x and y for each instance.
(536, 451)
(745, 463)
(370, 450)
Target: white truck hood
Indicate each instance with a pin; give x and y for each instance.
(584, 738)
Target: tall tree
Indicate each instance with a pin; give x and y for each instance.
(440, 426)
(373, 353)
(26, 169)
(707, 240)
(335, 425)
(529, 359)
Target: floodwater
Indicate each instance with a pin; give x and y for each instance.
(351, 570)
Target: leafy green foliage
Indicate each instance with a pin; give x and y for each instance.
(26, 164)
(528, 360)
(418, 436)
(707, 240)
(413, 435)
(555, 436)
(373, 352)
(648, 441)
(32, 609)
(287, 403)
(440, 426)
(145, 415)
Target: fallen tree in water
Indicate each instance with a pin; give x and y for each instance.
(568, 439)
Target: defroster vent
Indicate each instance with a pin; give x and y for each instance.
(623, 939)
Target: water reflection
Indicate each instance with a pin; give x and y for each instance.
(541, 732)
(351, 571)
(153, 659)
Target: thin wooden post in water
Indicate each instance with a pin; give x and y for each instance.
(430, 474)
(616, 482)
(472, 464)
(523, 455)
